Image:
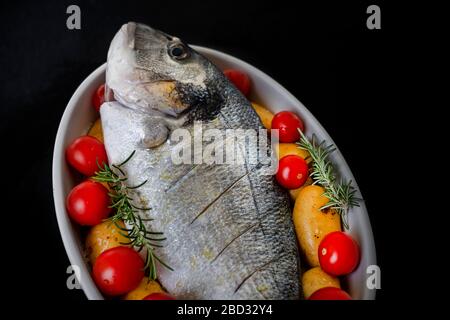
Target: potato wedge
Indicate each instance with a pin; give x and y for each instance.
(102, 237)
(96, 130)
(285, 149)
(294, 192)
(315, 279)
(312, 224)
(144, 288)
(264, 114)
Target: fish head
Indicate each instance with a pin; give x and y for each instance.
(151, 70)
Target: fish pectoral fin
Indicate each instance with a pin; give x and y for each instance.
(155, 133)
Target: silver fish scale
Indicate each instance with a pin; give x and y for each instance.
(228, 227)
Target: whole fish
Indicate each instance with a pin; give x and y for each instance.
(228, 226)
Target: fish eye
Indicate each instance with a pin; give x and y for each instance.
(178, 51)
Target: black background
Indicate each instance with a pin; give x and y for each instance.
(323, 54)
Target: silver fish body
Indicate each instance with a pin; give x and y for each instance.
(228, 226)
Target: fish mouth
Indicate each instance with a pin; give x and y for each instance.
(133, 30)
(129, 30)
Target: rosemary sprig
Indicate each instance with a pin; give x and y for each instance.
(125, 210)
(341, 194)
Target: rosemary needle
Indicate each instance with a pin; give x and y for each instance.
(341, 194)
(136, 231)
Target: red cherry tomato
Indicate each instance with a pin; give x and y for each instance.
(98, 97)
(84, 153)
(330, 293)
(288, 124)
(292, 172)
(239, 79)
(338, 254)
(158, 296)
(88, 203)
(118, 270)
